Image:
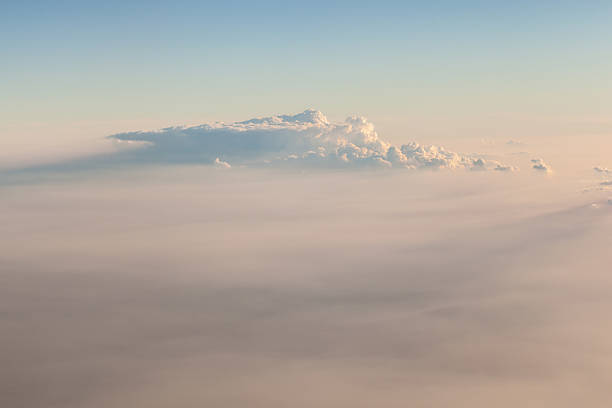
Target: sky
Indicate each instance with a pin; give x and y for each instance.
(74, 71)
(314, 204)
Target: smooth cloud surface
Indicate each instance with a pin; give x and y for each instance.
(191, 287)
(307, 138)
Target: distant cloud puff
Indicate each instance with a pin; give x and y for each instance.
(501, 167)
(222, 164)
(307, 138)
(540, 165)
(513, 142)
(603, 170)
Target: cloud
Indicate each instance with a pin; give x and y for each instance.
(603, 170)
(605, 186)
(222, 164)
(234, 288)
(513, 142)
(540, 165)
(305, 139)
(501, 167)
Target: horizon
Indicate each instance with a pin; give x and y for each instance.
(324, 204)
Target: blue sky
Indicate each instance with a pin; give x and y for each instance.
(66, 62)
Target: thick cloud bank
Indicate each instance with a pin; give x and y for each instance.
(193, 286)
(306, 138)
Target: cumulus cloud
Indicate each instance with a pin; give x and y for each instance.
(307, 138)
(540, 165)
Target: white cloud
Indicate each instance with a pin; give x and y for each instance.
(222, 164)
(603, 170)
(262, 280)
(540, 165)
(307, 138)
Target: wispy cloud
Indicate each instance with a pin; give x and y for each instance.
(602, 170)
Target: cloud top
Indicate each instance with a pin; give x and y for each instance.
(306, 138)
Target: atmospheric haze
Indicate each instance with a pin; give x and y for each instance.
(322, 204)
(241, 281)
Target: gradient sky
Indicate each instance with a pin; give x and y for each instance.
(243, 264)
(67, 62)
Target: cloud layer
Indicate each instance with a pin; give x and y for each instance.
(191, 287)
(307, 138)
